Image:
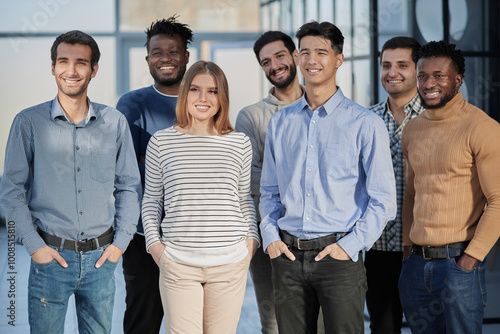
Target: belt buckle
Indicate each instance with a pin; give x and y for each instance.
(424, 255)
(83, 241)
(298, 244)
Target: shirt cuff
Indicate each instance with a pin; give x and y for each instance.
(33, 242)
(122, 239)
(350, 245)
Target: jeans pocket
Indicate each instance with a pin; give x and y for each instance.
(46, 264)
(465, 271)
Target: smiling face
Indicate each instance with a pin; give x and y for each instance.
(398, 73)
(278, 64)
(202, 99)
(72, 69)
(167, 59)
(318, 61)
(438, 81)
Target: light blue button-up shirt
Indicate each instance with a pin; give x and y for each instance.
(71, 181)
(325, 171)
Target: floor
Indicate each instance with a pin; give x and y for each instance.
(15, 268)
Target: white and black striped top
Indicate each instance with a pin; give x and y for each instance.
(203, 185)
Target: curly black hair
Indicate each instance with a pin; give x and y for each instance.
(169, 27)
(443, 49)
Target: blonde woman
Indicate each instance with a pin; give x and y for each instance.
(199, 218)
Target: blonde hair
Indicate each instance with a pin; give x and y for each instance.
(221, 118)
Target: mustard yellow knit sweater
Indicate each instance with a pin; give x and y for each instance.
(452, 171)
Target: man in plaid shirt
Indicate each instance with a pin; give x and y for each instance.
(383, 261)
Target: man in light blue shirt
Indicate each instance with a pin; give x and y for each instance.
(71, 190)
(327, 190)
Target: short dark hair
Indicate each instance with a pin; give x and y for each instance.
(443, 49)
(273, 36)
(402, 42)
(169, 27)
(76, 37)
(325, 29)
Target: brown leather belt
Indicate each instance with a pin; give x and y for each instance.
(310, 244)
(440, 252)
(79, 245)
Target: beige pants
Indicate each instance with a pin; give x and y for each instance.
(202, 300)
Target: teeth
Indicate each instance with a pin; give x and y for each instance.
(432, 94)
(166, 68)
(313, 71)
(395, 81)
(278, 73)
(203, 107)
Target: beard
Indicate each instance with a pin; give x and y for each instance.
(285, 82)
(170, 81)
(444, 100)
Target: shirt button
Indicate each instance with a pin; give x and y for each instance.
(313, 122)
(308, 194)
(81, 213)
(308, 219)
(309, 170)
(79, 190)
(77, 148)
(78, 169)
(82, 233)
(311, 146)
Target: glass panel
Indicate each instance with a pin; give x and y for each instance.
(241, 92)
(429, 15)
(37, 16)
(393, 17)
(266, 18)
(469, 26)
(344, 78)
(200, 15)
(311, 10)
(361, 82)
(343, 22)
(361, 27)
(326, 10)
(298, 14)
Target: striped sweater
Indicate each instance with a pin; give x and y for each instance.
(198, 194)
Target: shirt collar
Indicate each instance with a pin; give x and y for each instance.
(58, 112)
(330, 105)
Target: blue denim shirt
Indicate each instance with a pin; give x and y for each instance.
(325, 171)
(72, 181)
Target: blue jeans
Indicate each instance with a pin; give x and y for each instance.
(51, 285)
(440, 297)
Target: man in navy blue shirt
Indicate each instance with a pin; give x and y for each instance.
(71, 189)
(148, 110)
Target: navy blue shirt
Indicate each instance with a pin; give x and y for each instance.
(147, 111)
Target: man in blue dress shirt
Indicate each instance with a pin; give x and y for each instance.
(327, 190)
(71, 189)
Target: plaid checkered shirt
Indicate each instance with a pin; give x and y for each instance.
(391, 239)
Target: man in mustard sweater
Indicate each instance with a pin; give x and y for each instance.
(452, 158)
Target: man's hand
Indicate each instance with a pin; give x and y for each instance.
(111, 253)
(406, 252)
(156, 251)
(467, 262)
(252, 245)
(47, 254)
(276, 248)
(335, 251)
